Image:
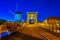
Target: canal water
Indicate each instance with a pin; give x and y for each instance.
(4, 34)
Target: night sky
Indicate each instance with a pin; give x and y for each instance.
(45, 8)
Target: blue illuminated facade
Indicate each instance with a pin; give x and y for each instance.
(18, 17)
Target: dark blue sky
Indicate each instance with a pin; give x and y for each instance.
(45, 8)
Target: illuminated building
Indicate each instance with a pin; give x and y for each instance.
(54, 24)
(18, 17)
(32, 17)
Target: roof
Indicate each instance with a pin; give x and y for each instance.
(53, 18)
(18, 12)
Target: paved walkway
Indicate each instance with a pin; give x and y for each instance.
(51, 32)
(31, 31)
(46, 34)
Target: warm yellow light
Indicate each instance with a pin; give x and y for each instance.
(58, 24)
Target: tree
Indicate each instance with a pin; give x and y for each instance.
(2, 21)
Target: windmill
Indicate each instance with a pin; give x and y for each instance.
(17, 15)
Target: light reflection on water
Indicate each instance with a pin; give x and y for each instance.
(4, 34)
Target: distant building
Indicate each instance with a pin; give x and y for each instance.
(18, 17)
(31, 17)
(54, 24)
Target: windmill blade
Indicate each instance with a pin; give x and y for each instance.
(22, 20)
(11, 12)
(16, 7)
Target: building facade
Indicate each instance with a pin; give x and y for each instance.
(32, 17)
(54, 24)
(18, 17)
